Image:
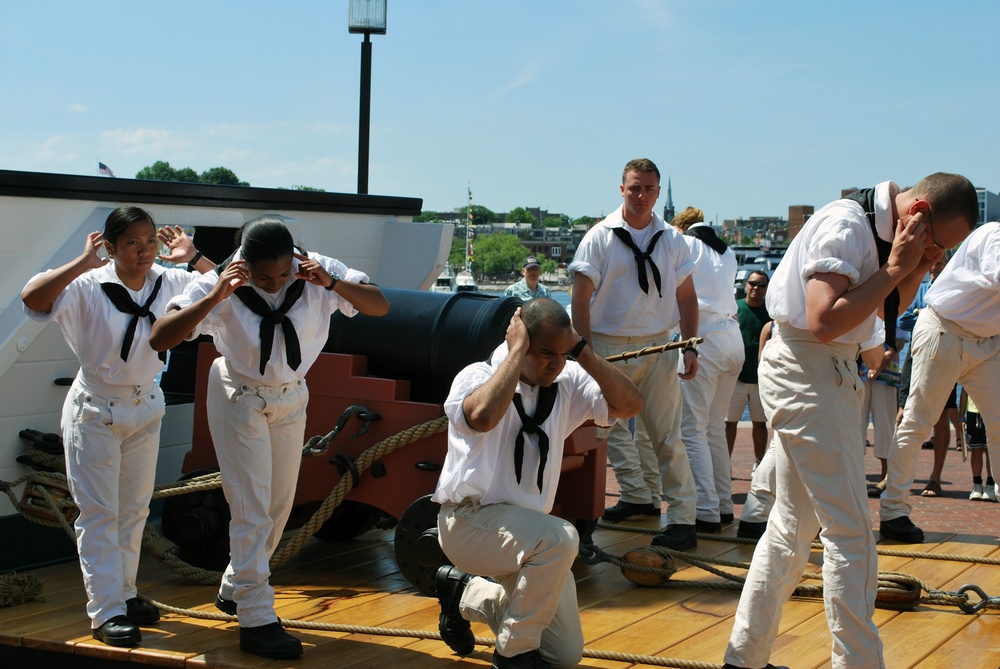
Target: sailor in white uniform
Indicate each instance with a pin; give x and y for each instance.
(111, 416)
(269, 332)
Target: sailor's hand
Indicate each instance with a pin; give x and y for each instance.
(312, 271)
(690, 361)
(180, 244)
(91, 251)
(235, 275)
(517, 334)
(909, 246)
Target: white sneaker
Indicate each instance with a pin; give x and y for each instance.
(977, 491)
(990, 493)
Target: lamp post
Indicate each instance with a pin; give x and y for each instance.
(368, 17)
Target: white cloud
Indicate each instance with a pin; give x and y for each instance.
(148, 141)
(78, 108)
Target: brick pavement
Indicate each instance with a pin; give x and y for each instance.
(953, 512)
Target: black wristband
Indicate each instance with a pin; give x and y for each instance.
(194, 260)
(333, 281)
(578, 349)
(690, 348)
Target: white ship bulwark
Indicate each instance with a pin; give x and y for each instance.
(45, 219)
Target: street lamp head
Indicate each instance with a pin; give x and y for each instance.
(366, 16)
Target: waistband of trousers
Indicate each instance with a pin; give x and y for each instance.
(662, 337)
(255, 385)
(784, 331)
(99, 386)
(951, 327)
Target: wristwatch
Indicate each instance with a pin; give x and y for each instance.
(334, 278)
(578, 349)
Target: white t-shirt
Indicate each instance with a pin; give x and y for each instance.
(967, 292)
(480, 465)
(94, 328)
(836, 239)
(619, 307)
(236, 329)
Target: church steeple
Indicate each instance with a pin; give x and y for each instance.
(668, 208)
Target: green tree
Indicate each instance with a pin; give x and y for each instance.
(457, 254)
(498, 255)
(426, 217)
(186, 174)
(585, 220)
(158, 171)
(481, 215)
(221, 176)
(559, 221)
(521, 216)
(308, 188)
(549, 266)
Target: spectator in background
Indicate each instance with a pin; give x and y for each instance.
(529, 287)
(975, 439)
(751, 312)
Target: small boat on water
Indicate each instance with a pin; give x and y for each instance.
(445, 283)
(465, 282)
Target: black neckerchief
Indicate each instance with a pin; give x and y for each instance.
(707, 235)
(120, 297)
(641, 258)
(532, 425)
(270, 318)
(890, 308)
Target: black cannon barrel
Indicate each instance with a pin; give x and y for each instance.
(426, 338)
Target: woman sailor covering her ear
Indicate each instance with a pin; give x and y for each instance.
(111, 416)
(257, 396)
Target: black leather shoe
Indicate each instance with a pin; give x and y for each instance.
(450, 582)
(624, 510)
(749, 530)
(271, 641)
(726, 518)
(677, 537)
(901, 529)
(225, 605)
(769, 666)
(118, 632)
(139, 612)
(530, 660)
(707, 526)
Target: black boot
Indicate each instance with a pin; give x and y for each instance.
(139, 612)
(677, 537)
(751, 530)
(271, 641)
(530, 660)
(227, 606)
(455, 630)
(118, 632)
(625, 510)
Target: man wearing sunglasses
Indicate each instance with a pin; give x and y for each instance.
(850, 256)
(751, 312)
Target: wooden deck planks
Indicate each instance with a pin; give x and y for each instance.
(357, 583)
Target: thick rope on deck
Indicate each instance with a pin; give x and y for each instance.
(19, 588)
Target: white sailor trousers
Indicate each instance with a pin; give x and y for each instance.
(880, 404)
(644, 467)
(703, 422)
(258, 432)
(532, 603)
(812, 395)
(111, 435)
(760, 497)
(943, 353)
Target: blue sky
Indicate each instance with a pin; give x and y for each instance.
(749, 106)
